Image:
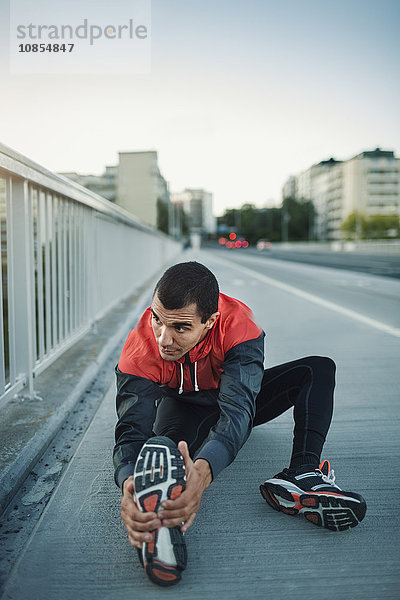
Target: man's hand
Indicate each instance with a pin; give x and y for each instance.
(138, 524)
(184, 509)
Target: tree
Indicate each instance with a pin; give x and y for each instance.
(359, 226)
(300, 215)
(162, 215)
(382, 226)
(354, 226)
(253, 223)
(269, 224)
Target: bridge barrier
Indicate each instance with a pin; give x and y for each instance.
(361, 246)
(67, 257)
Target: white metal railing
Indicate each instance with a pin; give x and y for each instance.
(67, 256)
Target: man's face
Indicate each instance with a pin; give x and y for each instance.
(178, 331)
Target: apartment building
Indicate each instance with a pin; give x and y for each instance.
(368, 183)
(140, 185)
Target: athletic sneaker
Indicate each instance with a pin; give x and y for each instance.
(160, 475)
(314, 494)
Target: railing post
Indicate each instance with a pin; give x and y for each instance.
(10, 283)
(23, 266)
(92, 298)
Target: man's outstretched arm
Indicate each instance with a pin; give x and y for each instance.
(136, 400)
(243, 370)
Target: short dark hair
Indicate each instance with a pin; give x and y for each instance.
(189, 283)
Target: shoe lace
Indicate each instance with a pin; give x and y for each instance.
(329, 478)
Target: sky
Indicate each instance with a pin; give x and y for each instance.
(240, 95)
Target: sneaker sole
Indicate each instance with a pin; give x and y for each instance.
(160, 475)
(334, 511)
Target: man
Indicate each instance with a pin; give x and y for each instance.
(191, 385)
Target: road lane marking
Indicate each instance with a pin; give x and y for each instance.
(311, 298)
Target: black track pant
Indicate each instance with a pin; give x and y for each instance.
(306, 385)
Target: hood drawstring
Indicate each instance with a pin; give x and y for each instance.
(196, 387)
(181, 386)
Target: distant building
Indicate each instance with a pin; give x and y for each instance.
(140, 186)
(372, 183)
(368, 183)
(105, 185)
(198, 207)
(135, 184)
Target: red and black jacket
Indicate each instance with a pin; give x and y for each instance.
(229, 360)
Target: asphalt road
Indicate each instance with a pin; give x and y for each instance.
(378, 263)
(239, 547)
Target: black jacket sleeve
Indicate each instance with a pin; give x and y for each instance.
(136, 409)
(240, 383)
